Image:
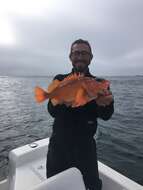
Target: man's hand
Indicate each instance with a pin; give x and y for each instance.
(68, 104)
(104, 100)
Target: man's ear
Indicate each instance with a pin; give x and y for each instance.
(70, 56)
(91, 56)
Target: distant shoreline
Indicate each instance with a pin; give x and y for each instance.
(26, 76)
(50, 76)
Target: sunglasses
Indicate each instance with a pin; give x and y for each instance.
(82, 53)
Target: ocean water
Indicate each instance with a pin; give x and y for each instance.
(119, 140)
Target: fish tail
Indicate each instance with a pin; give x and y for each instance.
(40, 94)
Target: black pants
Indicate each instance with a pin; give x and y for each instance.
(81, 154)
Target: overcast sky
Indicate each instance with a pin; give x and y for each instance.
(36, 35)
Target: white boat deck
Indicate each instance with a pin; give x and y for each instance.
(28, 172)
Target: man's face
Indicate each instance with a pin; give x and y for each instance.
(80, 56)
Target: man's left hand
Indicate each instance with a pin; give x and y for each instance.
(104, 100)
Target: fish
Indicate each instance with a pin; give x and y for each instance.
(75, 90)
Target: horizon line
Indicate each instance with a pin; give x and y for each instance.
(55, 74)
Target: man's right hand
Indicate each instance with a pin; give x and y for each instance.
(68, 104)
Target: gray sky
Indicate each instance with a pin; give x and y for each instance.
(35, 35)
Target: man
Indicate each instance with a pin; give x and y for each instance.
(72, 143)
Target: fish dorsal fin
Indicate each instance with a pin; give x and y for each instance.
(73, 76)
(53, 85)
(69, 79)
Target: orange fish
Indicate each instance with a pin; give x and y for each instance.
(73, 90)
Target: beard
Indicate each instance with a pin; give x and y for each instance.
(80, 66)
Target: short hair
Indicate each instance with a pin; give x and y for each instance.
(80, 41)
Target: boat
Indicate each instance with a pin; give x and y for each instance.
(27, 171)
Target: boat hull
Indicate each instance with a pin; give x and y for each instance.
(28, 164)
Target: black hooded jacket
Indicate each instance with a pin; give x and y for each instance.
(77, 123)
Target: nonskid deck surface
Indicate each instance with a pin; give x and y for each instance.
(28, 171)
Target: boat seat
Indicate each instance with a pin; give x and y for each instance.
(70, 179)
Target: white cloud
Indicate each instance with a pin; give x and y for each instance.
(45, 29)
(7, 35)
(136, 54)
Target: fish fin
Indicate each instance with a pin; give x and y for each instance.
(40, 94)
(54, 101)
(72, 77)
(81, 98)
(53, 85)
(69, 79)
